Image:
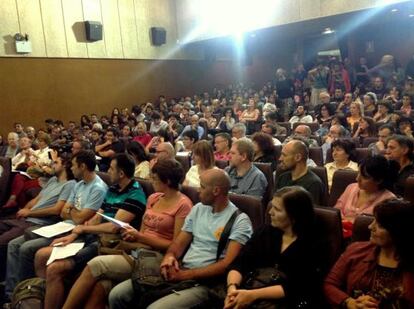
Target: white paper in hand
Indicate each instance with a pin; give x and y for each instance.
(115, 221)
(54, 229)
(59, 253)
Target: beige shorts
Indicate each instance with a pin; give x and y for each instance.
(110, 270)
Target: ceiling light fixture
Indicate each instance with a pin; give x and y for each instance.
(328, 31)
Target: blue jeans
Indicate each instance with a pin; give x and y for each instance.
(122, 296)
(20, 259)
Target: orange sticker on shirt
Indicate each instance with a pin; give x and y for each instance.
(217, 233)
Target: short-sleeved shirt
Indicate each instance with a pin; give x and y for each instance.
(252, 183)
(88, 195)
(206, 228)
(53, 191)
(310, 182)
(161, 224)
(131, 198)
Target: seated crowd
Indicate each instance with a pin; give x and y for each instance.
(284, 144)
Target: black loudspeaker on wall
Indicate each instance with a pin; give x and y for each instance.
(158, 36)
(93, 31)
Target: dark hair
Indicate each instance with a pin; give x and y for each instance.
(372, 128)
(226, 136)
(397, 217)
(163, 133)
(175, 115)
(169, 172)
(137, 151)
(136, 109)
(125, 163)
(192, 134)
(380, 169)
(387, 104)
(347, 145)
(155, 115)
(299, 207)
(265, 143)
(404, 141)
(387, 126)
(115, 131)
(342, 120)
(67, 164)
(86, 122)
(329, 108)
(86, 157)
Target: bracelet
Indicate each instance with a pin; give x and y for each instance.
(235, 284)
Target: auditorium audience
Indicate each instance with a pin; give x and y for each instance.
(161, 224)
(224, 109)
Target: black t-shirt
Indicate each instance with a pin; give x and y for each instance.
(310, 182)
(117, 147)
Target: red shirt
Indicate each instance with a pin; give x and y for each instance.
(143, 139)
(355, 269)
(222, 157)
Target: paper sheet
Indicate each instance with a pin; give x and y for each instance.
(115, 221)
(59, 253)
(54, 229)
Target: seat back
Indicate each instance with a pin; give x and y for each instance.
(286, 125)
(266, 169)
(146, 186)
(368, 140)
(341, 179)
(322, 174)
(329, 224)
(192, 193)
(5, 179)
(315, 153)
(105, 177)
(360, 231)
(409, 189)
(250, 205)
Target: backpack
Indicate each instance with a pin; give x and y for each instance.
(29, 294)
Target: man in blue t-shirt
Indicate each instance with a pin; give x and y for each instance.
(42, 210)
(125, 200)
(85, 199)
(201, 233)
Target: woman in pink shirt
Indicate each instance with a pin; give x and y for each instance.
(375, 178)
(161, 224)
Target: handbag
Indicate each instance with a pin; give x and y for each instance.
(147, 282)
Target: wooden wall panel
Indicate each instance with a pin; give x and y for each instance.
(9, 26)
(92, 12)
(31, 22)
(54, 28)
(128, 28)
(67, 88)
(74, 28)
(112, 32)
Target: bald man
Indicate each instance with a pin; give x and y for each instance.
(294, 171)
(201, 233)
(163, 151)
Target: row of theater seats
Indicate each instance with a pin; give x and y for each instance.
(327, 219)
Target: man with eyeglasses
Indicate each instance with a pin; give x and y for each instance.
(344, 106)
(245, 178)
(384, 132)
(163, 151)
(222, 144)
